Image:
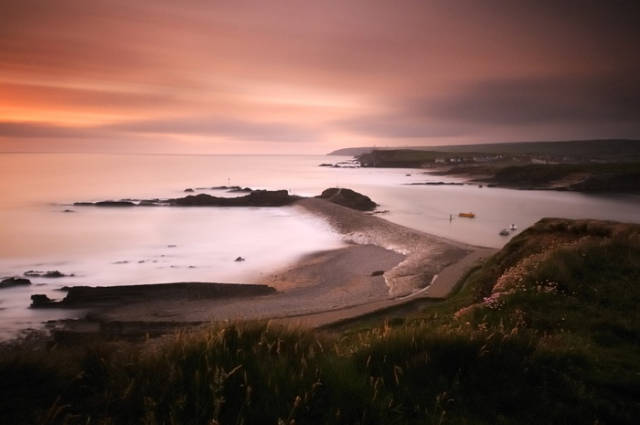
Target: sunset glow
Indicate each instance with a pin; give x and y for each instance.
(261, 77)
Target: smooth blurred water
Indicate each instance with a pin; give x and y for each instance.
(110, 246)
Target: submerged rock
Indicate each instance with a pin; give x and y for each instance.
(348, 198)
(239, 259)
(14, 281)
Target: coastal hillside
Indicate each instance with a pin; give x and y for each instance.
(545, 331)
(606, 166)
(611, 149)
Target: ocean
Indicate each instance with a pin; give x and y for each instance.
(115, 246)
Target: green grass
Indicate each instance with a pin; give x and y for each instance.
(546, 331)
(624, 176)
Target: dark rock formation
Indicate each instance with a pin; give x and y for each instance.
(83, 296)
(188, 189)
(114, 204)
(257, 198)
(377, 273)
(610, 182)
(239, 189)
(14, 281)
(439, 183)
(150, 202)
(121, 203)
(239, 259)
(41, 301)
(48, 274)
(341, 164)
(232, 189)
(348, 198)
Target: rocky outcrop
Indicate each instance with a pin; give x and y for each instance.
(14, 281)
(232, 189)
(439, 183)
(121, 203)
(48, 274)
(254, 198)
(41, 301)
(257, 198)
(84, 296)
(238, 189)
(348, 198)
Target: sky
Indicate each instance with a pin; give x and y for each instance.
(274, 77)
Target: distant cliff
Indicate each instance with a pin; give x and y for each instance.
(605, 149)
(351, 151)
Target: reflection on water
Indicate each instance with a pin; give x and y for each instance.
(142, 245)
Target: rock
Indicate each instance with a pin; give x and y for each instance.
(188, 189)
(114, 204)
(41, 300)
(224, 187)
(440, 183)
(325, 164)
(14, 281)
(238, 189)
(149, 202)
(257, 198)
(348, 198)
(239, 259)
(121, 203)
(86, 296)
(232, 189)
(48, 274)
(68, 210)
(377, 273)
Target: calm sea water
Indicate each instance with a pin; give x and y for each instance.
(148, 245)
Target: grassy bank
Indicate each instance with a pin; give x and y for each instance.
(585, 174)
(546, 331)
(624, 177)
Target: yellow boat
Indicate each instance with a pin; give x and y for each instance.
(467, 215)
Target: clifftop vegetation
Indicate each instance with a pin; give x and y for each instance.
(546, 331)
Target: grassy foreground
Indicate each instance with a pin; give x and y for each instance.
(546, 331)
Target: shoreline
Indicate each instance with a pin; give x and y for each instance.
(385, 265)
